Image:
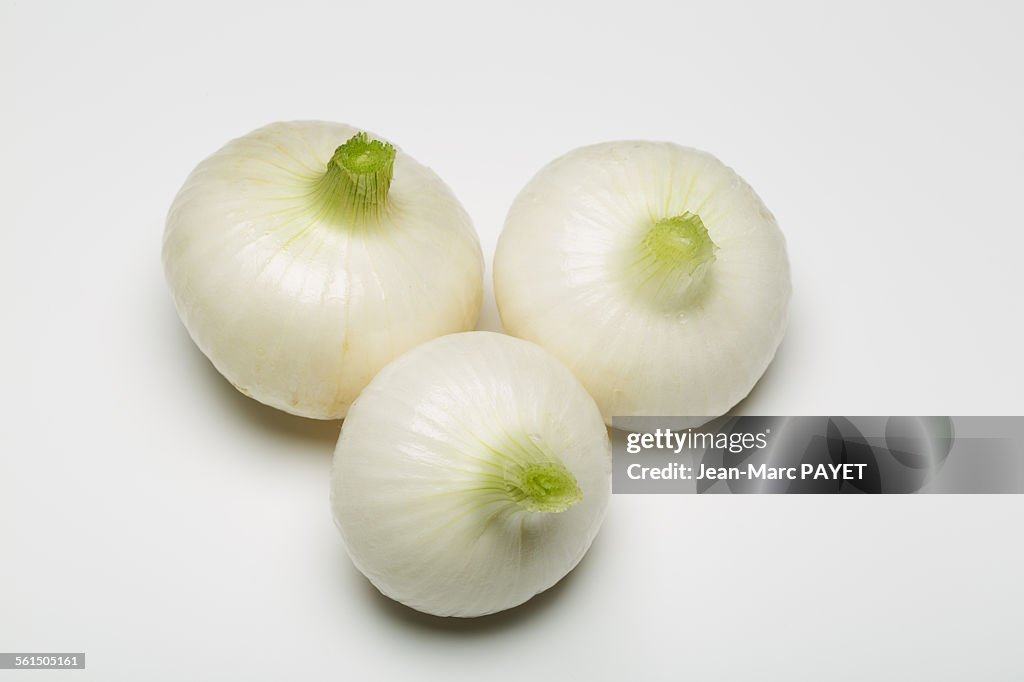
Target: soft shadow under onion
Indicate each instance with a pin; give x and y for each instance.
(410, 619)
(250, 413)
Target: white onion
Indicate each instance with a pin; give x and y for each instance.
(652, 270)
(471, 474)
(304, 256)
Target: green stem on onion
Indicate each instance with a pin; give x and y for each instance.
(355, 185)
(675, 256)
(542, 486)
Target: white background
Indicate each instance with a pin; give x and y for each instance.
(173, 529)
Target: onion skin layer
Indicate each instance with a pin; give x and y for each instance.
(299, 302)
(425, 477)
(664, 331)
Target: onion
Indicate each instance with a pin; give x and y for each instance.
(471, 474)
(304, 256)
(653, 271)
